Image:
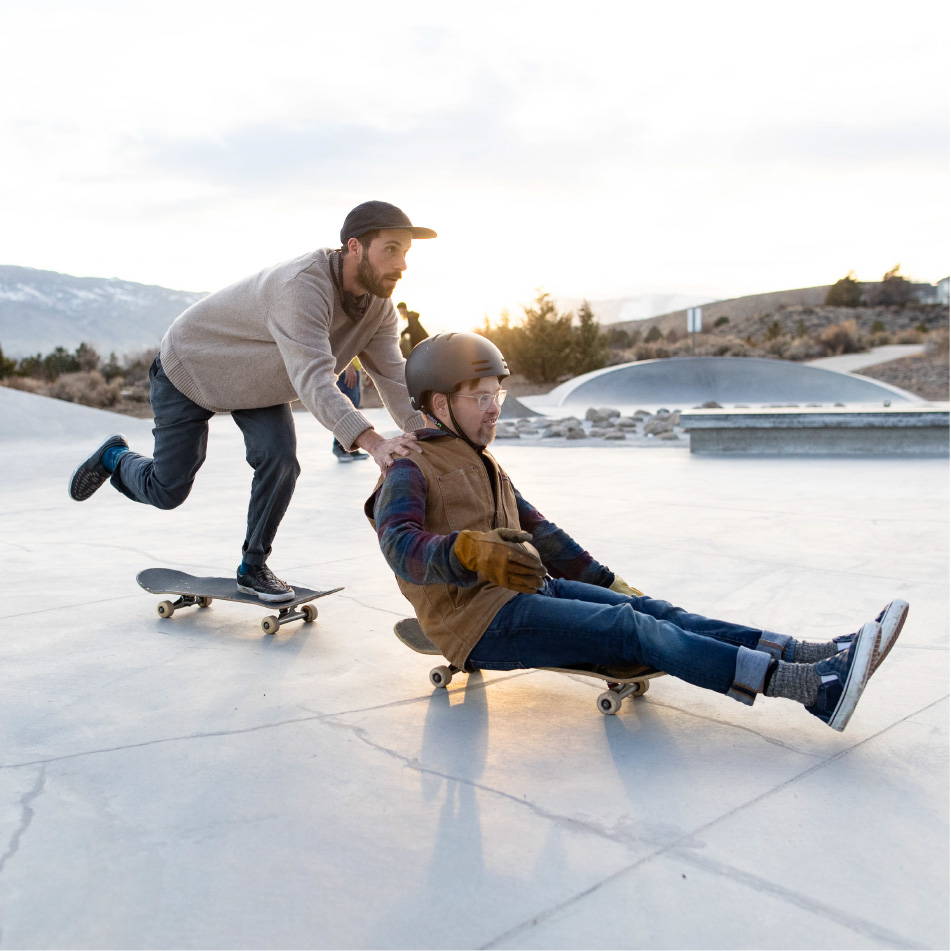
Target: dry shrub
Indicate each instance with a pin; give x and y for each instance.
(90, 389)
(803, 348)
(937, 345)
(28, 384)
(842, 338)
(908, 336)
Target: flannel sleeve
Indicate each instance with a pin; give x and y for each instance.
(560, 553)
(414, 554)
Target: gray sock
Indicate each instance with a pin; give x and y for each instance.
(794, 682)
(810, 652)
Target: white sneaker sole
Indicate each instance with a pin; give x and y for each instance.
(893, 620)
(262, 596)
(861, 670)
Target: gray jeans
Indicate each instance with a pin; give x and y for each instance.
(181, 440)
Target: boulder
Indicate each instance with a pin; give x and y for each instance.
(601, 414)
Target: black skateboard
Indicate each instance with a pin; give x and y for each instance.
(200, 592)
(621, 682)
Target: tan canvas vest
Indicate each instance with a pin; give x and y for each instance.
(459, 496)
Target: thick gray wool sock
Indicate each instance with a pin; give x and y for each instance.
(794, 682)
(810, 652)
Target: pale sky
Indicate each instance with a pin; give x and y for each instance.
(592, 149)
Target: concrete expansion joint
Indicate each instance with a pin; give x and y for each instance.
(736, 726)
(683, 846)
(26, 817)
(569, 823)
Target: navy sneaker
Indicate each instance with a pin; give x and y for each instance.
(92, 473)
(891, 620)
(843, 678)
(352, 455)
(260, 580)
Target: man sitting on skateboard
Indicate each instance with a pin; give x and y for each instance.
(453, 528)
(251, 349)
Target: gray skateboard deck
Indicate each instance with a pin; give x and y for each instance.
(621, 682)
(193, 591)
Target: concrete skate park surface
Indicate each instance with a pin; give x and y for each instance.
(194, 783)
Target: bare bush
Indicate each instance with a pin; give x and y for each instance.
(908, 336)
(842, 338)
(803, 348)
(89, 388)
(937, 345)
(28, 384)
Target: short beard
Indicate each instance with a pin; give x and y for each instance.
(371, 280)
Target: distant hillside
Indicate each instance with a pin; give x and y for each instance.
(741, 311)
(40, 310)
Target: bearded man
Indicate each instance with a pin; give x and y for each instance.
(252, 348)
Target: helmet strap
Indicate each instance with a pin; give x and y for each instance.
(458, 432)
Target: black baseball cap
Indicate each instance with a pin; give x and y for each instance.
(373, 215)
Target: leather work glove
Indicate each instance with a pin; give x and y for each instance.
(498, 556)
(622, 587)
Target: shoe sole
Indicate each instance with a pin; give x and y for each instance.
(892, 621)
(262, 596)
(89, 465)
(857, 677)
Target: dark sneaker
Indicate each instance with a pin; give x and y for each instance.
(891, 620)
(353, 455)
(843, 678)
(260, 580)
(92, 473)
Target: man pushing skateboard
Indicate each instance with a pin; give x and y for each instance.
(252, 348)
(453, 528)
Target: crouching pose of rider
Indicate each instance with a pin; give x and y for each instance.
(452, 527)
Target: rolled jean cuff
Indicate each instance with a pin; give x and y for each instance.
(750, 676)
(774, 644)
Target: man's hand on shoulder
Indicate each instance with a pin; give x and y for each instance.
(386, 451)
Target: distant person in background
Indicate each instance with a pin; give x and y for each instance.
(249, 350)
(349, 384)
(413, 332)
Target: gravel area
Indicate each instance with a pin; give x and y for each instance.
(925, 376)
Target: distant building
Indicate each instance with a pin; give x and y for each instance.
(941, 291)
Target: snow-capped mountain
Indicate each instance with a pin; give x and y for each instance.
(41, 310)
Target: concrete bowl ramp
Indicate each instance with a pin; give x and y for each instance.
(728, 380)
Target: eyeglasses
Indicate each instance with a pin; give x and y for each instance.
(485, 400)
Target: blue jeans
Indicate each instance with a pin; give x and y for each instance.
(569, 623)
(165, 478)
(352, 393)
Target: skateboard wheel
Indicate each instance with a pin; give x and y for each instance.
(204, 602)
(309, 612)
(642, 688)
(165, 608)
(608, 703)
(440, 676)
(270, 624)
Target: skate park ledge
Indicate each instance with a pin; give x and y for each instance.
(848, 431)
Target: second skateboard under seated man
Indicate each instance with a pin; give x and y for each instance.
(451, 526)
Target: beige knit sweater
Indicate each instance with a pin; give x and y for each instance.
(282, 334)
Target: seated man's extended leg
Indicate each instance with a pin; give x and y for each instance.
(557, 630)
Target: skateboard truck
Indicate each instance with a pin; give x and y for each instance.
(190, 591)
(270, 625)
(621, 683)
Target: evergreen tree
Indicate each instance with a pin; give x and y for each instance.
(845, 292)
(590, 345)
(7, 366)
